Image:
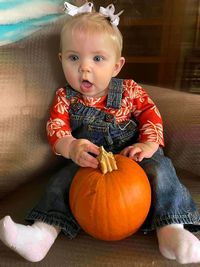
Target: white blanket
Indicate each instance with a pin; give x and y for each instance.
(20, 18)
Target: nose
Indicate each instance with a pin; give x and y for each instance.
(84, 66)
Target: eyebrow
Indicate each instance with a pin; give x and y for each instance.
(70, 51)
(100, 52)
(94, 52)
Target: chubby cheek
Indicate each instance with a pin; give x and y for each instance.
(71, 78)
(68, 71)
(105, 77)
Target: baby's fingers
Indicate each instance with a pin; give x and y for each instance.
(125, 151)
(86, 160)
(135, 153)
(93, 149)
(131, 152)
(140, 156)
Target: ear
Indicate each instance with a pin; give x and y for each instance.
(118, 66)
(60, 56)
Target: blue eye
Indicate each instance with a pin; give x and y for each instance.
(98, 58)
(73, 57)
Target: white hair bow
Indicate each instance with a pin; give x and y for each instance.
(74, 10)
(107, 12)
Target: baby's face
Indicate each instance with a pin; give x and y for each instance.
(89, 62)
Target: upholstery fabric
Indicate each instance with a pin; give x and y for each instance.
(29, 74)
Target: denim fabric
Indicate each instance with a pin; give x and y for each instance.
(171, 201)
(53, 207)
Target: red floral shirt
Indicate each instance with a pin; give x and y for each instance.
(135, 102)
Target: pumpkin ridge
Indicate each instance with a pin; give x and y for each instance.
(125, 206)
(106, 214)
(92, 205)
(78, 185)
(132, 167)
(94, 211)
(117, 185)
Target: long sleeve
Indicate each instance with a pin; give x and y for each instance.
(58, 124)
(145, 112)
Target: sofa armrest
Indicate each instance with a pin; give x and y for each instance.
(181, 117)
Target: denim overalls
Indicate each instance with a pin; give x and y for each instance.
(171, 201)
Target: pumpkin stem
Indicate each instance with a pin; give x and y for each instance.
(107, 161)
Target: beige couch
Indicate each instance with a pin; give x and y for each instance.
(29, 74)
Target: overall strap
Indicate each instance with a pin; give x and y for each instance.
(70, 92)
(115, 93)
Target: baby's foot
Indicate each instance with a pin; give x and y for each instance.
(31, 242)
(176, 243)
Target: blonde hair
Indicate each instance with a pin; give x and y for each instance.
(92, 23)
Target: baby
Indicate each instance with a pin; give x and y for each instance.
(96, 109)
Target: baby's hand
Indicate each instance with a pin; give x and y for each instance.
(139, 151)
(79, 153)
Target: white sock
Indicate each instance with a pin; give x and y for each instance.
(177, 243)
(31, 242)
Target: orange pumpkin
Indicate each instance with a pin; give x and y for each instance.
(114, 205)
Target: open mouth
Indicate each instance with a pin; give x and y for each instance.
(86, 85)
